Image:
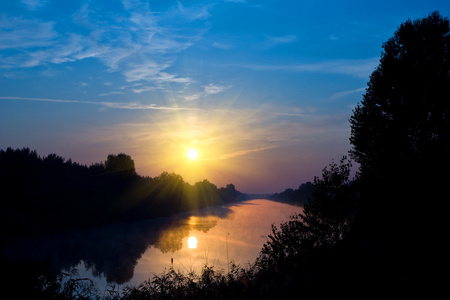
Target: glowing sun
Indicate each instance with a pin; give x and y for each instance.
(192, 154)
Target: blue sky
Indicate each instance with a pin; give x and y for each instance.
(262, 89)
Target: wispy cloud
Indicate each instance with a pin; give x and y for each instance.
(277, 40)
(224, 46)
(151, 70)
(30, 43)
(44, 100)
(117, 105)
(215, 89)
(333, 37)
(196, 12)
(140, 47)
(17, 33)
(246, 151)
(352, 67)
(34, 4)
(339, 95)
(250, 117)
(208, 90)
(139, 106)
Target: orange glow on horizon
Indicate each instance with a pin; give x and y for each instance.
(197, 145)
(231, 145)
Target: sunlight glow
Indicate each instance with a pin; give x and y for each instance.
(192, 154)
(227, 142)
(192, 242)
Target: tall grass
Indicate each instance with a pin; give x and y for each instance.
(210, 283)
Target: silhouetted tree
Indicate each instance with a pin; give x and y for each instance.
(404, 115)
(330, 214)
(401, 132)
(120, 164)
(325, 218)
(298, 254)
(229, 193)
(401, 137)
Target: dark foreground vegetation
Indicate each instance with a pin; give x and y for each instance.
(383, 235)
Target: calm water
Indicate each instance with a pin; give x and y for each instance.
(132, 253)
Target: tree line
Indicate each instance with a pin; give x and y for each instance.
(294, 196)
(47, 194)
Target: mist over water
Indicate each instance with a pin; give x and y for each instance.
(131, 253)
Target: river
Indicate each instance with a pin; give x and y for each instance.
(128, 254)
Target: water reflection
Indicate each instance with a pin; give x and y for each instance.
(239, 238)
(192, 242)
(113, 251)
(122, 252)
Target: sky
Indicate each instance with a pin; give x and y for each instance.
(263, 90)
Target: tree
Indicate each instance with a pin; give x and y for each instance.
(325, 220)
(302, 253)
(401, 132)
(403, 119)
(120, 164)
(330, 215)
(401, 138)
(229, 193)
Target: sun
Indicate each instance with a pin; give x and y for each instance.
(192, 154)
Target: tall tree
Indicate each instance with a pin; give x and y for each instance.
(401, 138)
(404, 116)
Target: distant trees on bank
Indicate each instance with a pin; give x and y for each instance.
(47, 194)
(298, 196)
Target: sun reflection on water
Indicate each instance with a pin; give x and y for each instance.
(192, 242)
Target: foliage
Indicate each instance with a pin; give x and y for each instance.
(298, 196)
(401, 138)
(329, 216)
(209, 284)
(401, 132)
(404, 115)
(56, 194)
(121, 164)
(324, 221)
(36, 281)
